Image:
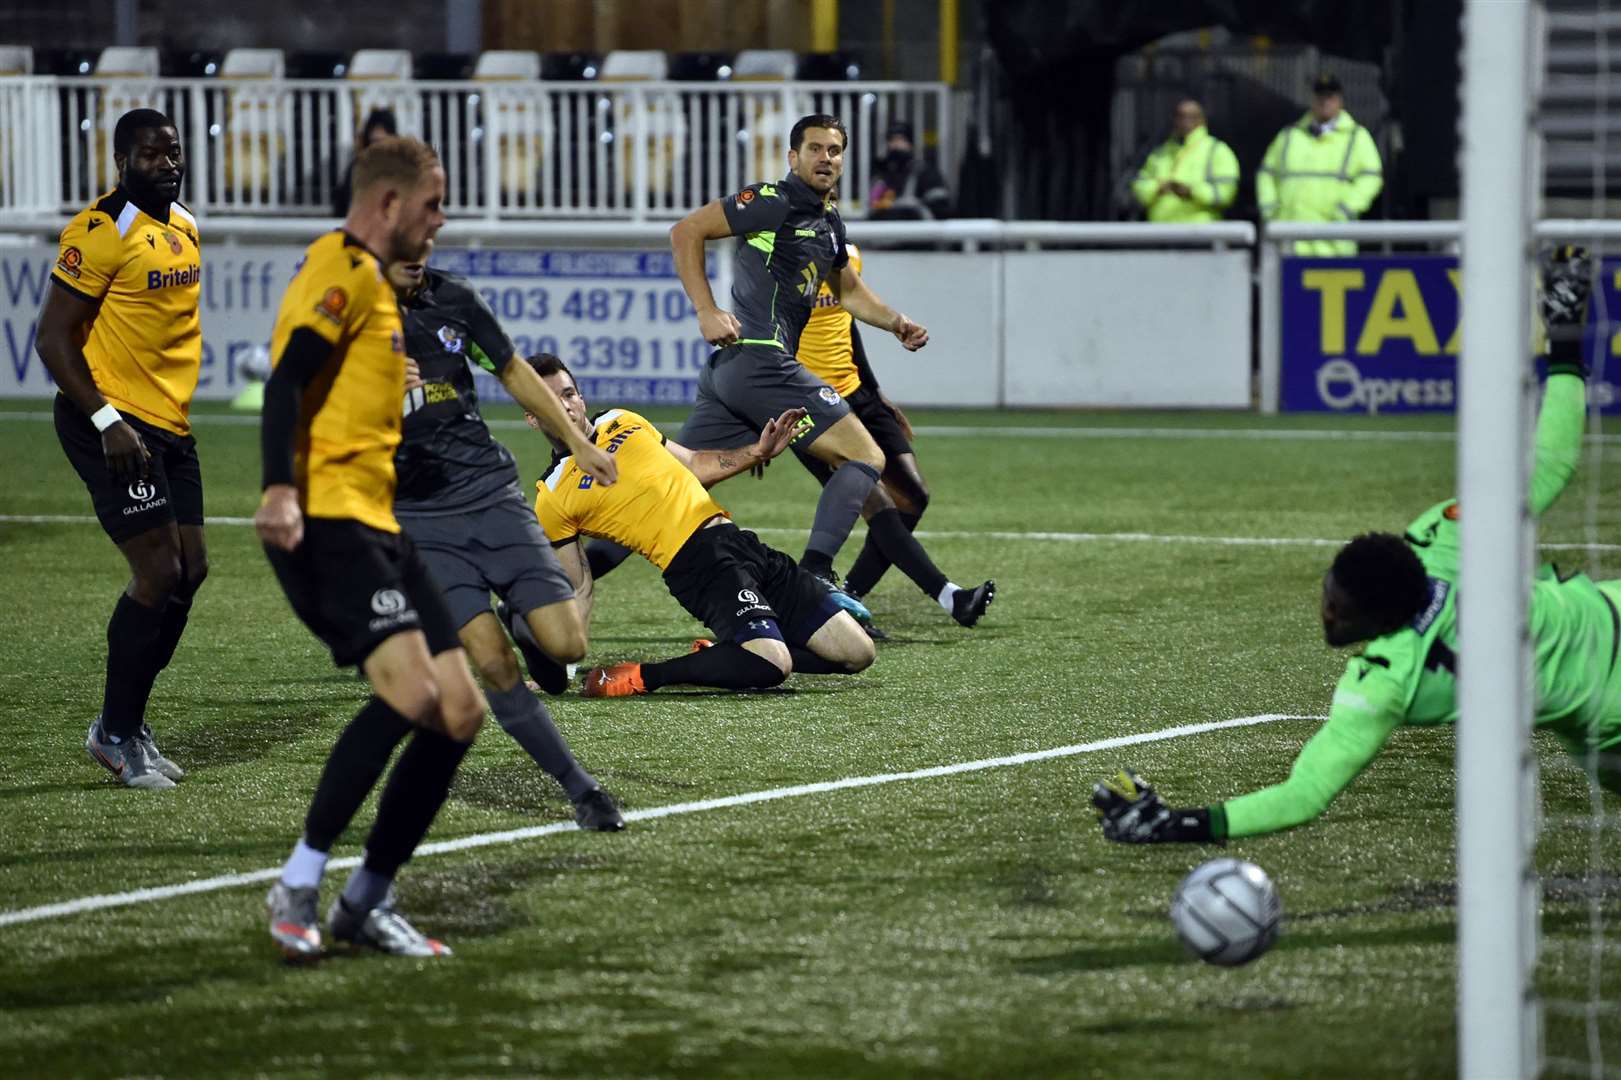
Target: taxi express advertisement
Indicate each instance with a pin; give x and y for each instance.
(1381, 335)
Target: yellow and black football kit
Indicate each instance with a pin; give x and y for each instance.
(722, 575)
(144, 348)
(825, 347)
(144, 273)
(331, 424)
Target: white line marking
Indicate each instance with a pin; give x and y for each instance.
(1037, 431)
(935, 534)
(512, 836)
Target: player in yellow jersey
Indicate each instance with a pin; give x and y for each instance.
(770, 617)
(120, 335)
(830, 348)
(330, 426)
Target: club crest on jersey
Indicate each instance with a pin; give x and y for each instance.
(70, 261)
(451, 340)
(829, 395)
(332, 305)
(174, 242)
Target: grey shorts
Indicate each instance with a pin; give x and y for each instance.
(744, 386)
(498, 548)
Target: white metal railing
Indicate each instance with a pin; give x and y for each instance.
(612, 150)
(1277, 234)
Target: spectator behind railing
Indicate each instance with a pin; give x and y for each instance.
(1323, 167)
(379, 123)
(1190, 177)
(908, 188)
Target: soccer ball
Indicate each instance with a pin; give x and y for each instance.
(1226, 912)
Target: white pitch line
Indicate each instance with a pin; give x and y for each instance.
(1037, 431)
(512, 836)
(935, 534)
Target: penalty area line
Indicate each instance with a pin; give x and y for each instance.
(513, 836)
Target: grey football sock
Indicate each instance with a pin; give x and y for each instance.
(839, 506)
(365, 889)
(524, 716)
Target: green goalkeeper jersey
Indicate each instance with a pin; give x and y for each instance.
(1410, 676)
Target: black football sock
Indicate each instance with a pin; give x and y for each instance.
(417, 787)
(836, 513)
(525, 717)
(871, 565)
(175, 614)
(888, 530)
(729, 666)
(132, 635)
(357, 760)
(808, 663)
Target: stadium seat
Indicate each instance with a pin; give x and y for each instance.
(64, 61)
(128, 62)
(665, 123)
(516, 111)
(131, 74)
(389, 73)
(16, 60)
(255, 131)
(507, 64)
(764, 65)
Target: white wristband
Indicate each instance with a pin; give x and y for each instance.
(105, 417)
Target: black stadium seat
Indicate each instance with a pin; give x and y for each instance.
(317, 65)
(190, 64)
(441, 66)
(700, 66)
(65, 61)
(829, 67)
(570, 66)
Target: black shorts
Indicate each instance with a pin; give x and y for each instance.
(355, 587)
(741, 589)
(879, 420)
(171, 492)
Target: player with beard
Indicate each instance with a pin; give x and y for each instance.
(330, 428)
(458, 500)
(120, 336)
(790, 239)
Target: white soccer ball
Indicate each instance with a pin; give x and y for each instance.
(1227, 912)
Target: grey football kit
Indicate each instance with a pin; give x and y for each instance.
(458, 496)
(459, 501)
(789, 240)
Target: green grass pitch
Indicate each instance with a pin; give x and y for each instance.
(974, 924)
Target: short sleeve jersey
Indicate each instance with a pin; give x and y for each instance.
(653, 508)
(448, 462)
(825, 347)
(788, 240)
(349, 417)
(146, 343)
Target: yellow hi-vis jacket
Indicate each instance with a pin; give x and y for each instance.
(1334, 176)
(1201, 161)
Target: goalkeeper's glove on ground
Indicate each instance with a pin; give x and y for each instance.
(1131, 812)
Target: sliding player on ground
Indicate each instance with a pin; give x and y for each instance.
(1398, 594)
(830, 348)
(790, 239)
(770, 617)
(120, 336)
(331, 425)
(458, 500)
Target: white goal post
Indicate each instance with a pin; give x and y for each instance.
(1500, 175)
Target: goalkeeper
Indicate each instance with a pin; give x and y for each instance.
(1399, 595)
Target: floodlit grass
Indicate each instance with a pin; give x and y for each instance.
(969, 925)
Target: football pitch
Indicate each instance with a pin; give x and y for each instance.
(891, 874)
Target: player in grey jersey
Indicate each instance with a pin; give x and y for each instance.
(790, 239)
(458, 499)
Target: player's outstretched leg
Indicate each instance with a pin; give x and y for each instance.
(526, 718)
(838, 647)
(753, 665)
